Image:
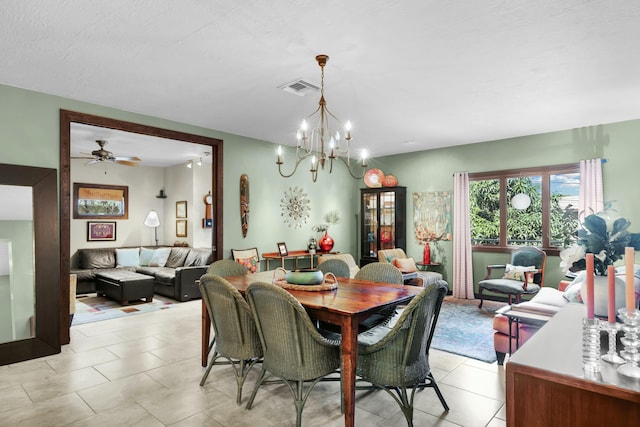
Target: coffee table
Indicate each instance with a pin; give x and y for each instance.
(125, 286)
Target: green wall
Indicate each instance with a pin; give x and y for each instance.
(433, 171)
(29, 135)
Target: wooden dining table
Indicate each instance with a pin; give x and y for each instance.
(349, 304)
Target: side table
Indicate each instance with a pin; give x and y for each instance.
(426, 267)
(523, 315)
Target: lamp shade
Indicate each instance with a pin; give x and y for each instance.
(521, 201)
(152, 219)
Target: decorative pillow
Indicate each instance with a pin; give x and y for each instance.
(405, 265)
(146, 255)
(549, 296)
(572, 292)
(251, 264)
(517, 272)
(128, 257)
(160, 257)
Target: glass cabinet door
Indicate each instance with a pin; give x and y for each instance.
(387, 220)
(370, 221)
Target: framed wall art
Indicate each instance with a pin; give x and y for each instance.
(181, 209)
(101, 231)
(181, 228)
(432, 216)
(99, 201)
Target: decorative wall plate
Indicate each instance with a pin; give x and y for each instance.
(373, 178)
(295, 207)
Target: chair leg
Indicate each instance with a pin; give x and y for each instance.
(500, 356)
(480, 292)
(211, 363)
(263, 373)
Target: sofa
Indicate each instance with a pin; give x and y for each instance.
(174, 269)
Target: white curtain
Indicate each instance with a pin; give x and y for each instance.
(591, 197)
(462, 268)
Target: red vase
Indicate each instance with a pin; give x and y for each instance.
(426, 255)
(326, 243)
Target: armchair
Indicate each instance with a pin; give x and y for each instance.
(524, 275)
(389, 255)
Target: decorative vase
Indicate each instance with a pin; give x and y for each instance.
(601, 295)
(326, 243)
(426, 255)
(389, 181)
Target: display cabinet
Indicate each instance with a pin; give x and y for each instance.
(383, 221)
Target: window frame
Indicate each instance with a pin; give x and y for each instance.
(545, 172)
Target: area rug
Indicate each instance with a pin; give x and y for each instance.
(92, 308)
(465, 329)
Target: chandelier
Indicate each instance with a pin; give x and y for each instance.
(323, 143)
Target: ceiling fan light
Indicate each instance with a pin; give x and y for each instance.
(190, 164)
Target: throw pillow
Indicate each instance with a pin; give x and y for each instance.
(128, 257)
(160, 257)
(572, 293)
(251, 264)
(517, 272)
(405, 265)
(146, 255)
(549, 296)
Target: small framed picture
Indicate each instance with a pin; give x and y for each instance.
(181, 228)
(181, 209)
(282, 249)
(101, 231)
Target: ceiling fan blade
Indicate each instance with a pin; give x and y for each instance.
(126, 163)
(84, 157)
(128, 159)
(93, 162)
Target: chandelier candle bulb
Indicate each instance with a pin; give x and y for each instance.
(590, 287)
(611, 281)
(629, 258)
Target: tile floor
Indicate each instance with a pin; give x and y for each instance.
(145, 371)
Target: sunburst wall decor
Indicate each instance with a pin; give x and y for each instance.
(295, 207)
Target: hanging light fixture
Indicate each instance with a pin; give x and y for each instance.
(323, 142)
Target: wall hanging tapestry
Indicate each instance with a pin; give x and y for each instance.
(432, 216)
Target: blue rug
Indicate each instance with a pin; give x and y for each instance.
(465, 329)
(92, 308)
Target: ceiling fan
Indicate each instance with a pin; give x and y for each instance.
(103, 155)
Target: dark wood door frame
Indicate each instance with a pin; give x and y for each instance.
(66, 118)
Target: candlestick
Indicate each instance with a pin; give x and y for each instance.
(590, 287)
(631, 342)
(612, 354)
(629, 258)
(611, 282)
(590, 345)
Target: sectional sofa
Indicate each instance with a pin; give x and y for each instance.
(174, 269)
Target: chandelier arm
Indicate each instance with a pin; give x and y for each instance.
(295, 167)
(347, 163)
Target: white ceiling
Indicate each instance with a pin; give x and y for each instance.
(409, 74)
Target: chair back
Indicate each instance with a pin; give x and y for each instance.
(227, 267)
(247, 257)
(387, 255)
(380, 272)
(401, 358)
(336, 266)
(231, 317)
(346, 257)
(530, 256)
(293, 347)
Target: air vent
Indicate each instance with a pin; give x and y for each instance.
(299, 87)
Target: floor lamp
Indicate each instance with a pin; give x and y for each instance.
(152, 220)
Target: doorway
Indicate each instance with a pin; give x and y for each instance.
(68, 117)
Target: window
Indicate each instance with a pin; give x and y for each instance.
(534, 207)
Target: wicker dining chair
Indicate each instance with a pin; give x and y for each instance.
(336, 266)
(294, 350)
(236, 334)
(395, 356)
(379, 272)
(227, 267)
(223, 268)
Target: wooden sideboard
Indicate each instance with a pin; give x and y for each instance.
(546, 385)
